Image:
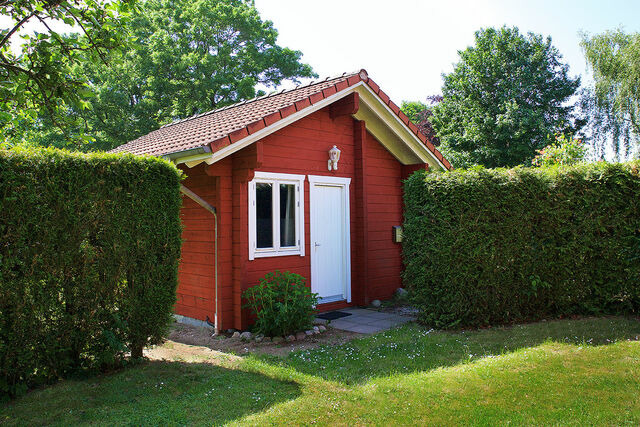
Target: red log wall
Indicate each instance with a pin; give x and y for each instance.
(300, 148)
(196, 272)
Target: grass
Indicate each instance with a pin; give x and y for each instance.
(413, 348)
(583, 371)
(154, 393)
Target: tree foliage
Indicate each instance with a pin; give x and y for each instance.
(504, 98)
(613, 103)
(414, 110)
(419, 114)
(36, 77)
(189, 57)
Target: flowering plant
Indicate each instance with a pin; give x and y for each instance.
(563, 151)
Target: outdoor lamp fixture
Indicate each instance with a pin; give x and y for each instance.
(334, 156)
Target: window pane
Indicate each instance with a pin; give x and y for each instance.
(287, 215)
(264, 216)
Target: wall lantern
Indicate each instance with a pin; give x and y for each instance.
(334, 156)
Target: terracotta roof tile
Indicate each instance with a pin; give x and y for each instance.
(316, 97)
(202, 129)
(394, 107)
(256, 126)
(374, 86)
(224, 126)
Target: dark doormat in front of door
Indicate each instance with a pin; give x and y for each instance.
(332, 315)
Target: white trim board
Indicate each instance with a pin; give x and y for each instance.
(328, 179)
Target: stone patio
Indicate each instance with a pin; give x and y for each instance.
(367, 321)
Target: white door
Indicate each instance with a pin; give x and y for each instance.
(330, 252)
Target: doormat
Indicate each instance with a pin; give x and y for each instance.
(333, 315)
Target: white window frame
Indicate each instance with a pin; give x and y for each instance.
(275, 179)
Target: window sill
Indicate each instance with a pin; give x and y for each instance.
(268, 254)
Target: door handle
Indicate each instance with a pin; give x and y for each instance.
(316, 244)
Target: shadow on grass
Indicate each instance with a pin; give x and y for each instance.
(412, 348)
(156, 393)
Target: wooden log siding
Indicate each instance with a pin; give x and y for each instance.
(300, 148)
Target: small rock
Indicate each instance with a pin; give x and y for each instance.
(236, 334)
(246, 336)
(322, 328)
(317, 321)
(266, 339)
(376, 303)
(301, 335)
(309, 332)
(258, 338)
(316, 330)
(401, 292)
(230, 331)
(290, 338)
(277, 340)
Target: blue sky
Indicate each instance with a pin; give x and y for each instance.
(406, 45)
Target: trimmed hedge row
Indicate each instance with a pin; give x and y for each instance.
(485, 247)
(89, 249)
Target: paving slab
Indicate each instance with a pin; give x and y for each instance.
(343, 324)
(364, 329)
(366, 321)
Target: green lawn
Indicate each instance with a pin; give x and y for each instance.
(562, 372)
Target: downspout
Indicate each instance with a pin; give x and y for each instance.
(199, 200)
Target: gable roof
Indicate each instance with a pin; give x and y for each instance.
(214, 130)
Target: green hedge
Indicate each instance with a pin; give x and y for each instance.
(89, 248)
(485, 247)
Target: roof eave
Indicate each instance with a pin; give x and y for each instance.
(190, 155)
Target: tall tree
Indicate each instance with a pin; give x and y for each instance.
(504, 100)
(189, 57)
(36, 81)
(613, 103)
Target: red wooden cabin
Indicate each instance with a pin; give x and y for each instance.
(280, 203)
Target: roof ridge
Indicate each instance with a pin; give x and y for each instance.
(270, 94)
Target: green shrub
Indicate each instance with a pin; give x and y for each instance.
(282, 303)
(498, 246)
(565, 151)
(89, 247)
